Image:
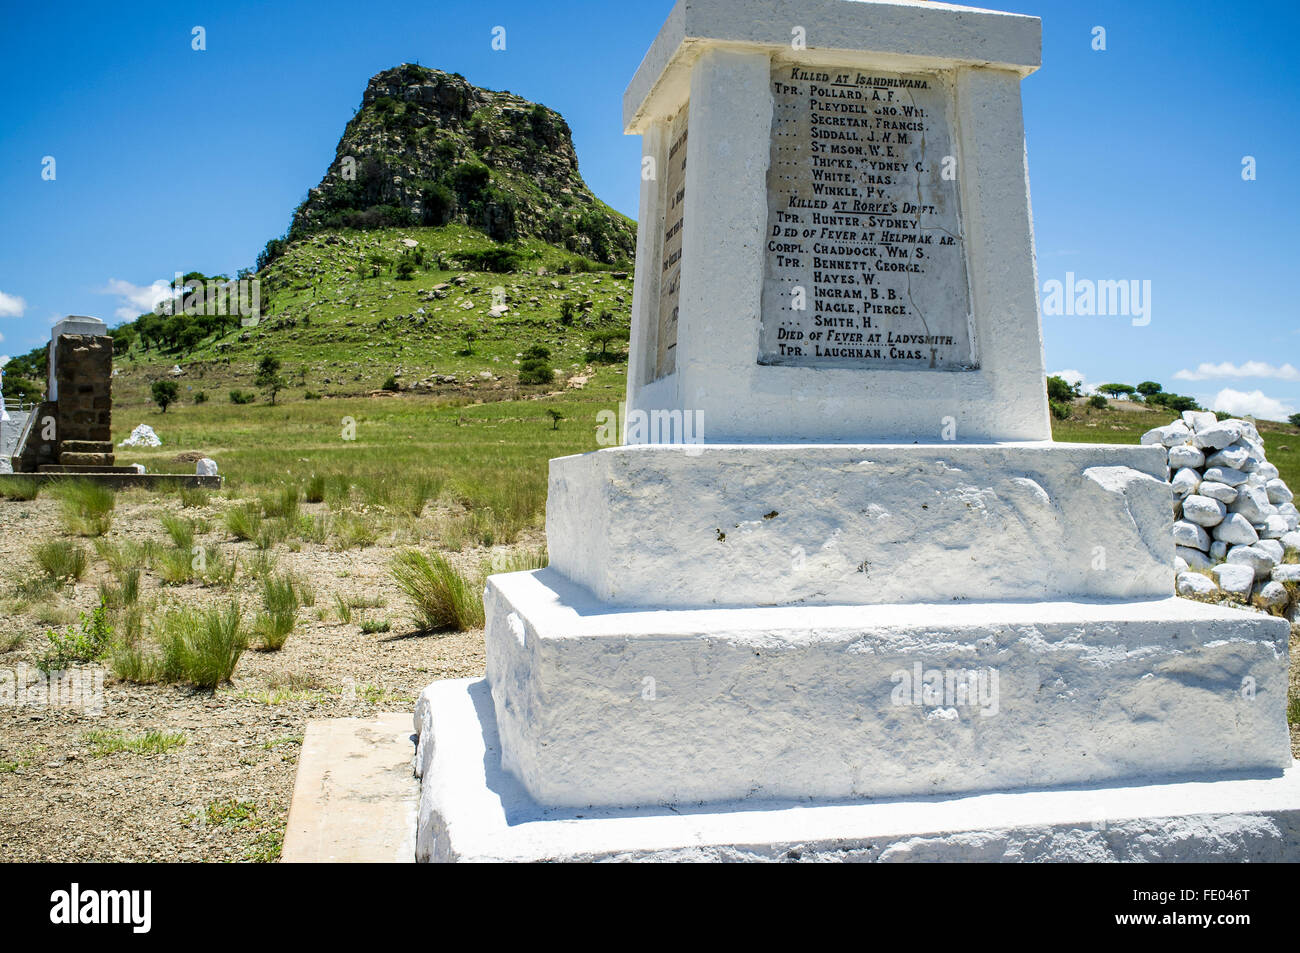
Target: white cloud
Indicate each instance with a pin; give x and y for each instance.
(1255, 403)
(1075, 377)
(1285, 372)
(11, 306)
(136, 299)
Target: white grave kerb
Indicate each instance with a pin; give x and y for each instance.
(703, 100)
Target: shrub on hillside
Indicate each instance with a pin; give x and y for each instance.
(536, 371)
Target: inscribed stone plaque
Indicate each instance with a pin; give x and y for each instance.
(670, 272)
(865, 262)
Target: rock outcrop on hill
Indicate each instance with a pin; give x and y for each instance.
(429, 148)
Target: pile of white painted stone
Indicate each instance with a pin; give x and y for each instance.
(1234, 516)
(142, 436)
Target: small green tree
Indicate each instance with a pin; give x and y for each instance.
(268, 375)
(1097, 402)
(1294, 420)
(164, 393)
(1061, 390)
(1117, 390)
(1179, 403)
(1147, 388)
(556, 417)
(605, 337)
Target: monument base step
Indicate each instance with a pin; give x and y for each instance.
(86, 446)
(69, 459)
(119, 481)
(67, 468)
(473, 810)
(599, 705)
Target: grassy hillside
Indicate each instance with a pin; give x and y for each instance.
(342, 319)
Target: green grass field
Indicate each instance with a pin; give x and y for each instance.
(482, 454)
(1113, 425)
(377, 451)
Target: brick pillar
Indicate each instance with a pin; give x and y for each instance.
(84, 370)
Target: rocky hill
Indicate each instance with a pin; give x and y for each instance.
(451, 242)
(428, 148)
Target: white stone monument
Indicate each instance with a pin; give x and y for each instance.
(839, 593)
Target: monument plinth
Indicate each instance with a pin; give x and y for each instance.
(838, 558)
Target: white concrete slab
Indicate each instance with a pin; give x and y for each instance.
(355, 797)
(472, 810)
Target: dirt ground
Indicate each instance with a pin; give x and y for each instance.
(222, 795)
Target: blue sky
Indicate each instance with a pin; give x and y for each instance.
(170, 159)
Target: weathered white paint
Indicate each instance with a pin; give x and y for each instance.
(674, 526)
(764, 703)
(471, 810)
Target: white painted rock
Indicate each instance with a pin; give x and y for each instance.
(1195, 584)
(1290, 572)
(1267, 471)
(1217, 491)
(1235, 529)
(1252, 503)
(1235, 579)
(1203, 511)
(1180, 564)
(1260, 562)
(1191, 535)
(1272, 595)
(1185, 456)
(206, 467)
(1199, 420)
(1278, 492)
(142, 436)
(1226, 475)
(1170, 435)
(1290, 541)
(1219, 435)
(1275, 527)
(1218, 550)
(1185, 481)
(1272, 547)
(1235, 455)
(1194, 558)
